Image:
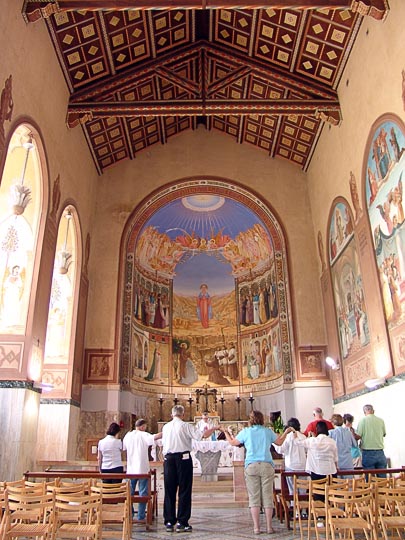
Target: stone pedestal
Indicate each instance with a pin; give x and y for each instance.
(239, 485)
(209, 465)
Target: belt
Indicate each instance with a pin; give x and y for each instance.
(372, 449)
(177, 453)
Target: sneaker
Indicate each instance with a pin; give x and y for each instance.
(320, 524)
(304, 515)
(184, 528)
(169, 527)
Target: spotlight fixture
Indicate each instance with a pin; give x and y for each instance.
(332, 363)
(374, 383)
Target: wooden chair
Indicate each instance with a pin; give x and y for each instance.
(348, 511)
(28, 515)
(84, 520)
(115, 509)
(317, 512)
(2, 513)
(301, 503)
(390, 508)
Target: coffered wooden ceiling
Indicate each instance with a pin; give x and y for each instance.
(140, 72)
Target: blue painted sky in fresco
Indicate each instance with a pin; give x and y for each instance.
(203, 268)
(232, 217)
(175, 219)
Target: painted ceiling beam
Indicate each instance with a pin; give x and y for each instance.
(134, 76)
(320, 108)
(228, 79)
(34, 10)
(180, 82)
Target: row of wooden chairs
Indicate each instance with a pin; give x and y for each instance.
(334, 506)
(72, 510)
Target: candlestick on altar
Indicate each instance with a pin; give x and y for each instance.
(160, 408)
(176, 399)
(190, 400)
(238, 399)
(222, 401)
(251, 399)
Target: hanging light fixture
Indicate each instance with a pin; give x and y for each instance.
(64, 256)
(20, 194)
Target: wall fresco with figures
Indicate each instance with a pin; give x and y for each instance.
(347, 283)
(384, 196)
(204, 302)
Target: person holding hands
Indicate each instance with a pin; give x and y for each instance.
(259, 466)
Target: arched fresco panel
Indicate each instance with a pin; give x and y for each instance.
(205, 295)
(351, 311)
(384, 197)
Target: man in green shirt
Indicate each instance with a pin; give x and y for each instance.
(372, 432)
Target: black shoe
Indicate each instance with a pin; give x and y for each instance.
(169, 527)
(184, 528)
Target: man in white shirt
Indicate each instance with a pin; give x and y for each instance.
(137, 443)
(206, 423)
(177, 437)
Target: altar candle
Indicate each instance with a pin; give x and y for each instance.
(238, 394)
(222, 395)
(161, 396)
(251, 394)
(189, 395)
(175, 396)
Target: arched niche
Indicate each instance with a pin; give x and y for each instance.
(205, 293)
(62, 313)
(383, 179)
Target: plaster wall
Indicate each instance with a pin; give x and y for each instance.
(282, 185)
(387, 405)
(41, 95)
(371, 87)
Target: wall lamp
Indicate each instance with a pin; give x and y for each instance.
(332, 363)
(374, 383)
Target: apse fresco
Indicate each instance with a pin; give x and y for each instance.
(205, 297)
(384, 192)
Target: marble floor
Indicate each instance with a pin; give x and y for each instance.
(221, 524)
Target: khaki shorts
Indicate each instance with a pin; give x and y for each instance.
(259, 478)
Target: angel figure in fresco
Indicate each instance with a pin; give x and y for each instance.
(204, 308)
(6, 108)
(373, 185)
(395, 196)
(12, 293)
(355, 196)
(385, 214)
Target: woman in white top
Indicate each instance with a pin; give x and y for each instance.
(322, 456)
(294, 455)
(109, 453)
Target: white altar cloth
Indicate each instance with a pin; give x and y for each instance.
(229, 453)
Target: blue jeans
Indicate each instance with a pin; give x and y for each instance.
(374, 459)
(143, 492)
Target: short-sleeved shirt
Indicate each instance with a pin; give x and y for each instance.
(110, 448)
(257, 441)
(137, 443)
(311, 427)
(372, 432)
(345, 442)
(177, 436)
